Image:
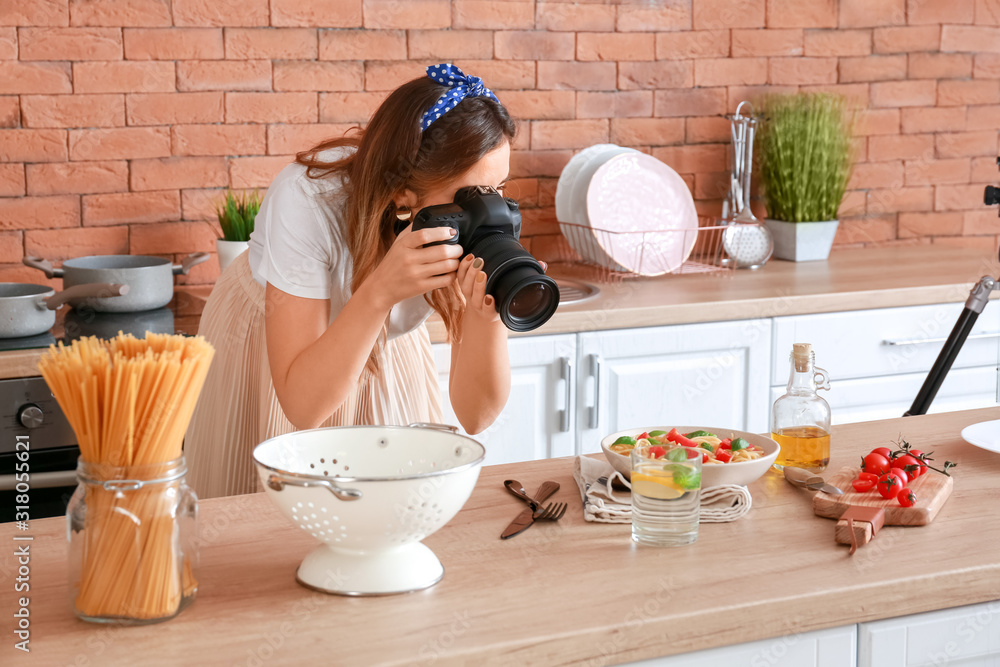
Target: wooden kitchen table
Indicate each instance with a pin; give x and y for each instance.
(559, 594)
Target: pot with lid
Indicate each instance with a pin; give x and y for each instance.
(150, 278)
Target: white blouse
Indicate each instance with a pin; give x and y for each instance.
(299, 244)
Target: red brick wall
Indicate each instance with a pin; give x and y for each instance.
(124, 120)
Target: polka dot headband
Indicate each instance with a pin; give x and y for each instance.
(460, 87)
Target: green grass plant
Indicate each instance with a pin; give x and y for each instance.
(805, 152)
(236, 215)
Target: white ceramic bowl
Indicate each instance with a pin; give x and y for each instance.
(741, 473)
(369, 494)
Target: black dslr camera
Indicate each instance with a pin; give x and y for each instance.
(488, 226)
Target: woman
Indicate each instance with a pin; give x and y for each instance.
(321, 322)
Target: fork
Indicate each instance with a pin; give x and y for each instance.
(551, 512)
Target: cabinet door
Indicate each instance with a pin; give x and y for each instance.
(834, 647)
(537, 422)
(868, 399)
(884, 341)
(714, 374)
(967, 636)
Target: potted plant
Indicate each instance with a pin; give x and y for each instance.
(805, 152)
(236, 216)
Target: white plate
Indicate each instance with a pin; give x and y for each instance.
(985, 435)
(634, 192)
(575, 199)
(564, 187)
(581, 184)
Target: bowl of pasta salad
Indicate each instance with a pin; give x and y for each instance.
(728, 456)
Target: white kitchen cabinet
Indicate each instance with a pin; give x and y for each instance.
(868, 399)
(537, 421)
(878, 359)
(960, 637)
(713, 374)
(833, 647)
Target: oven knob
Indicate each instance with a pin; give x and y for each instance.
(30, 415)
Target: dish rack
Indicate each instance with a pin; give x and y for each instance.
(645, 253)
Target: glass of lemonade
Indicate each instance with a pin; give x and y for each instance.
(666, 495)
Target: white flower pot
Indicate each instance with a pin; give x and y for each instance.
(802, 241)
(228, 251)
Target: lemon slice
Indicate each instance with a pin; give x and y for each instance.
(660, 486)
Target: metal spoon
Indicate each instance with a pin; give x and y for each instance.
(806, 480)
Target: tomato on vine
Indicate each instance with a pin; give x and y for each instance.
(875, 463)
(889, 485)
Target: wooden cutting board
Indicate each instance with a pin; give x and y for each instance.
(931, 489)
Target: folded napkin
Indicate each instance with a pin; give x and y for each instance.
(719, 504)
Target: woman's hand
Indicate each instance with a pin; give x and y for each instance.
(472, 284)
(409, 269)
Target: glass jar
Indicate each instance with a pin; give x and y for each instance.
(800, 420)
(132, 536)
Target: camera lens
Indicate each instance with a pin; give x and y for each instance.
(529, 299)
(525, 297)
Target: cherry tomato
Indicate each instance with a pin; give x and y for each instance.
(863, 485)
(884, 451)
(642, 436)
(904, 476)
(723, 455)
(920, 456)
(657, 452)
(909, 464)
(868, 475)
(889, 485)
(726, 444)
(906, 497)
(694, 451)
(875, 463)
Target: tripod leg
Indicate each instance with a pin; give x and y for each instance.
(974, 305)
(942, 365)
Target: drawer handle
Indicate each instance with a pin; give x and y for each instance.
(594, 415)
(920, 341)
(566, 375)
(42, 480)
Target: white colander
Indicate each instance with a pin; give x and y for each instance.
(370, 494)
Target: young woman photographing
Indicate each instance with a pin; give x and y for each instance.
(321, 322)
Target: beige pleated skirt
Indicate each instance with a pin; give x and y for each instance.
(238, 408)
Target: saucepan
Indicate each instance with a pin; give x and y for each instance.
(150, 279)
(28, 310)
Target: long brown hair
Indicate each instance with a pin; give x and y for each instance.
(391, 155)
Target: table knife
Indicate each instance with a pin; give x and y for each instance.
(527, 517)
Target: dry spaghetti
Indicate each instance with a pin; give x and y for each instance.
(129, 401)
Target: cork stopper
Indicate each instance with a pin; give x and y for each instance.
(801, 356)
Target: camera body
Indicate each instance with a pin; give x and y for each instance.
(489, 226)
(478, 211)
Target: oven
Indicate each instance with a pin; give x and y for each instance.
(35, 439)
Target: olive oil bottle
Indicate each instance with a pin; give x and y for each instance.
(800, 420)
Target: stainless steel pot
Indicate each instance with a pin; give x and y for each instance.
(150, 279)
(28, 310)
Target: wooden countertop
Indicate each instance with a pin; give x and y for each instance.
(851, 279)
(561, 593)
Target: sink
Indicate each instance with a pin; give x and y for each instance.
(575, 291)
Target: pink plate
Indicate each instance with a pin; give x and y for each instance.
(634, 192)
